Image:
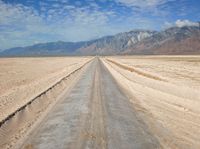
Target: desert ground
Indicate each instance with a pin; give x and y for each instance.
(165, 92)
(141, 102)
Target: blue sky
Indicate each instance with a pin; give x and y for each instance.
(26, 22)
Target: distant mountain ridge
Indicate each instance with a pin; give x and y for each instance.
(116, 44)
(50, 48)
(175, 40)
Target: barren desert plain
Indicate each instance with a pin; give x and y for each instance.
(118, 102)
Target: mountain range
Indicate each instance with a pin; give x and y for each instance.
(174, 40)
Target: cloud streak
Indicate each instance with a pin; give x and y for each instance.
(30, 22)
(144, 3)
(23, 25)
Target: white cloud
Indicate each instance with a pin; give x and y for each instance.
(60, 20)
(182, 23)
(179, 23)
(21, 25)
(151, 7)
(143, 3)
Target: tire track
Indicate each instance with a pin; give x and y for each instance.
(137, 71)
(93, 132)
(96, 114)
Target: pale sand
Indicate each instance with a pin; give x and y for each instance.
(169, 105)
(15, 130)
(21, 79)
(164, 91)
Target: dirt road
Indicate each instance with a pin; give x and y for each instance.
(95, 114)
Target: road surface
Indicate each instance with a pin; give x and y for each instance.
(96, 114)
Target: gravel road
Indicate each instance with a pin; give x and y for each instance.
(95, 114)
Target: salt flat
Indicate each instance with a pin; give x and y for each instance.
(110, 102)
(24, 78)
(165, 90)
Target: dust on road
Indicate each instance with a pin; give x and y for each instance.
(96, 114)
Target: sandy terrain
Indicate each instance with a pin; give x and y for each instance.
(165, 90)
(43, 94)
(142, 102)
(23, 78)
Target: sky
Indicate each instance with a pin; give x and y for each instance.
(27, 22)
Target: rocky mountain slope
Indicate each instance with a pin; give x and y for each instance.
(175, 40)
(116, 44)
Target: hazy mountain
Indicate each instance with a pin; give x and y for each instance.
(51, 48)
(175, 40)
